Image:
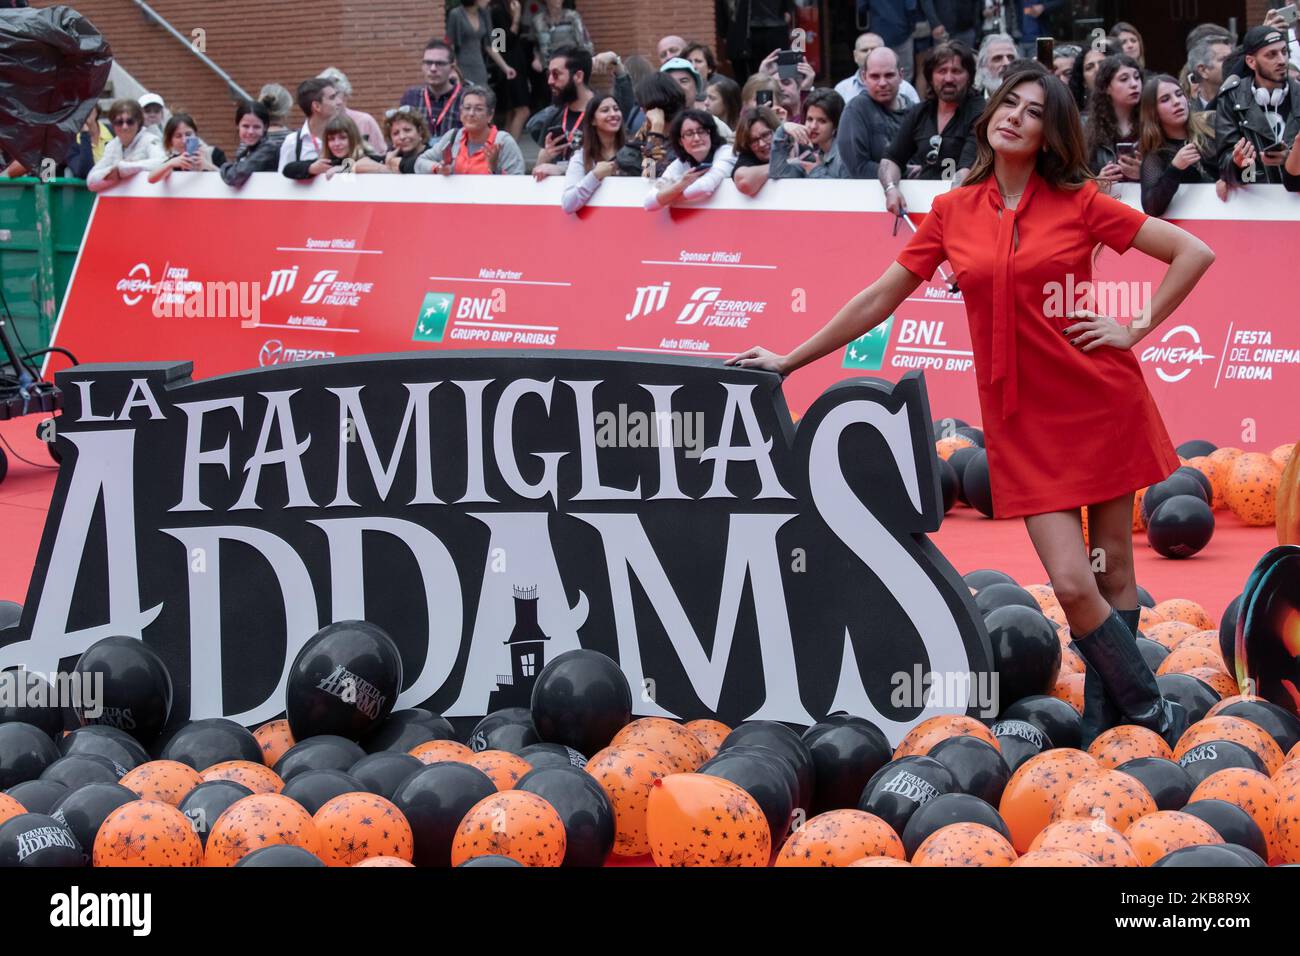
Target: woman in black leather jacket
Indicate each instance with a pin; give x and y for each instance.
(259, 151)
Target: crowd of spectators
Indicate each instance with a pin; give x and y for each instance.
(1229, 115)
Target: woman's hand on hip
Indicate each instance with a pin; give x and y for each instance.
(1091, 331)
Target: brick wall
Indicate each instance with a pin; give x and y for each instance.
(377, 44)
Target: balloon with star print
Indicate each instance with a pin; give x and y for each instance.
(356, 826)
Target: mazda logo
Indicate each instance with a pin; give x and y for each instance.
(272, 349)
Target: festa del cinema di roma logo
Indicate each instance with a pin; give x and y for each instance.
(772, 572)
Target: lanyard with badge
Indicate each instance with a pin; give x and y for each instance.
(428, 107)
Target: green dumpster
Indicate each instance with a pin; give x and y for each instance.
(41, 226)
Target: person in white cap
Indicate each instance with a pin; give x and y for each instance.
(155, 113)
(683, 72)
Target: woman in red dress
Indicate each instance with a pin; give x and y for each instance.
(1067, 417)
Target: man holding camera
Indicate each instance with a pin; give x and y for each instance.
(1258, 112)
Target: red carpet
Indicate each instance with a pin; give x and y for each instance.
(1212, 578)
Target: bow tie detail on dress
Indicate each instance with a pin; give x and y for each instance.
(1004, 286)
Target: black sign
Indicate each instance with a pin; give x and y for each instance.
(492, 510)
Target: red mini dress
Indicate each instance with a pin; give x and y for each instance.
(1063, 428)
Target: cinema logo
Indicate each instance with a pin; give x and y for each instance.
(211, 300)
(755, 571)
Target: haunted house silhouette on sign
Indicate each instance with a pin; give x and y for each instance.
(527, 655)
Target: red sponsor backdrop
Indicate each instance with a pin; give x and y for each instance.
(377, 265)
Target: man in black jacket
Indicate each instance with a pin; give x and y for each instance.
(1258, 112)
(871, 122)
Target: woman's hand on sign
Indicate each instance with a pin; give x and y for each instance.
(759, 358)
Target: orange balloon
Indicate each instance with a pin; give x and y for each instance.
(964, 844)
(944, 447)
(1127, 742)
(929, 733)
(1148, 617)
(1044, 595)
(167, 780)
(1169, 634)
(1138, 523)
(879, 861)
(682, 748)
(511, 823)
(1031, 794)
(1095, 839)
(1252, 488)
(1187, 612)
(711, 733)
(1285, 838)
(383, 861)
(355, 826)
(1161, 833)
(1114, 797)
(264, 819)
(1187, 657)
(1069, 688)
(503, 767)
(436, 751)
(1238, 731)
(275, 739)
(1214, 471)
(1223, 684)
(838, 837)
(1281, 455)
(255, 776)
(1248, 789)
(9, 808)
(147, 833)
(1061, 857)
(693, 819)
(628, 774)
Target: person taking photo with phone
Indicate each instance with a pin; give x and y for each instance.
(1112, 128)
(703, 161)
(1258, 112)
(819, 158)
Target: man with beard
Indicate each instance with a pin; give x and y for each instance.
(557, 129)
(936, 139)
(871, 122)
(1258, 114)
(996, 52)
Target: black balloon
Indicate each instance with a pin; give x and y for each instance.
(1228, 634)
(1250, 856)
(1196, 696)
(552, 755)
(137, 687)
(30, 699)
(104, 741)
(765, 776)
(844, 758)
(25, 752)
(904, 785)
(1026, 650)
(1172, 486)
(1053, 716)
(383, 772)
(1268, 652)
(1169, 784)
(434, 801)
(280, 854)
(1200, 477)
(993, 596)
(394, 732)
(315, 788)
(948, 483)
(1019, 740)
(209, 800)
(779, 737)
(975, 483)
(1196, 448)
(343, 682)
(985, 577)
(1144, 597)
(945, 809)
(38, 796)
(326, 752)
(80, 769)
(584, 808)
(1231, 822)
(1212, 854)
(1211, 756)
(36, 839)
(947, 427)
(202, 743)
(973, 433)
(1283, 727)
(508, 729)
(1180, 526)
(581, 699)
(492, 860)
(1153, 652)
(10, 614)
(977, 768)
(958, 461)
(83, 810)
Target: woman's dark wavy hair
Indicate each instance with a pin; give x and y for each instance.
(591, 143)
(1108, 47)
(661, 91)
(1062, 162)
(1103, 124)
(705, 119)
